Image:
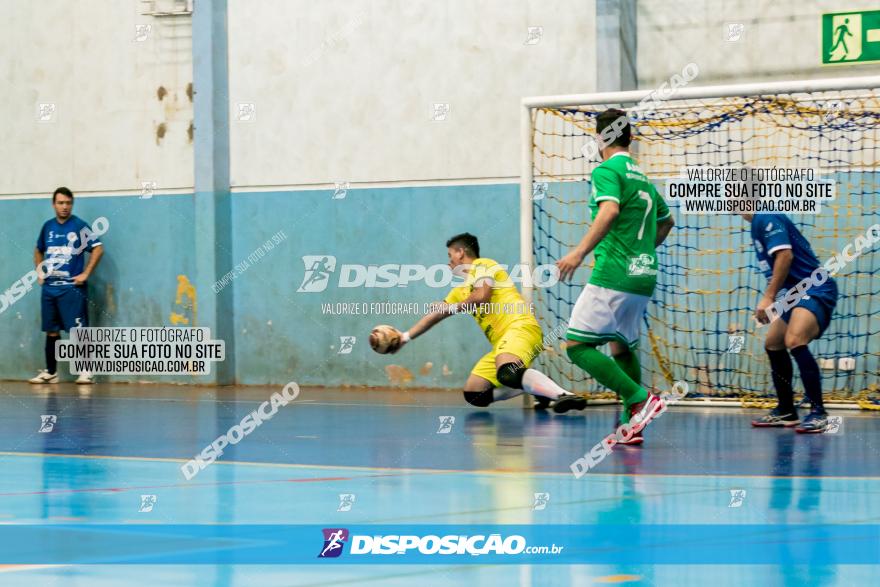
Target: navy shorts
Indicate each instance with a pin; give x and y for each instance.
(64, 307)
(821, 306)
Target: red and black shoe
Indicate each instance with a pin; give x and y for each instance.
(634, 440)
(641, 414)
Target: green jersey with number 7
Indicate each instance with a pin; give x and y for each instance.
(625, 259)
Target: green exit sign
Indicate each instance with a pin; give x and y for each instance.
(851, 37)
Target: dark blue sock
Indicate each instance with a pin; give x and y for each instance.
(810, 375)
(782, 371)
(51, 363)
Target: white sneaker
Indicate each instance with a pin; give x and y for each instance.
(85, 378)
(44, 377)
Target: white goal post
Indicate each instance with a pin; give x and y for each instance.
(811, 89)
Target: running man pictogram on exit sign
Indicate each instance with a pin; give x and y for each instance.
(851, 37)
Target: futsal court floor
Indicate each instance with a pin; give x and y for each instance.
(112, 444)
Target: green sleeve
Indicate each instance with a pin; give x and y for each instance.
(660, 205)
(606, 185)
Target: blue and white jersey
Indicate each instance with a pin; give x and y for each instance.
(64, 245)
(772, 233)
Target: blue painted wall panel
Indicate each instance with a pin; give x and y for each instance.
(281, 335)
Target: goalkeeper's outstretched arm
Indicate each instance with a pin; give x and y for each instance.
(442, 310)
(439, 312)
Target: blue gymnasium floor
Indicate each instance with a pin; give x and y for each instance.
(113, 443)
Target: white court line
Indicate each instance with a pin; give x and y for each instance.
(425, 471)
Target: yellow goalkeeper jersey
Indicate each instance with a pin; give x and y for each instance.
(506, 308)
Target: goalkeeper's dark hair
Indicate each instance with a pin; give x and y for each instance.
(605, 119)
(466, 241)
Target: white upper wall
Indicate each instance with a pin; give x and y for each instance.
(781, 40)
(344, 90)
(82, 57)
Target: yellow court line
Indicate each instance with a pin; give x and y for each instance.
(506, 472)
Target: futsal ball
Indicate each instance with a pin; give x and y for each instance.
(383, 338)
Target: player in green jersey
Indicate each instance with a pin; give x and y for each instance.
(629, 221)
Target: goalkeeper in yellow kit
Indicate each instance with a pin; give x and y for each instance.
(500, 311)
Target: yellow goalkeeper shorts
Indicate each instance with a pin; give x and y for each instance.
(525, 342)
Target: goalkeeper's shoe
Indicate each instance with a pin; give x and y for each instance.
(815, 423)
(568, 402)
(541, 403)
(777, 418)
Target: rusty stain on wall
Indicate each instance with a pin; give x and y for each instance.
(185, 303)
(161, 93)
(189, 91)
(109, 301)
(189, 131)
(160, 132)
(426, 368)
(398, 375)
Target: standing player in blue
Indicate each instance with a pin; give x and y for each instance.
(786, 258)
(62, 242)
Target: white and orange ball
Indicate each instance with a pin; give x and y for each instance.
(384, 338)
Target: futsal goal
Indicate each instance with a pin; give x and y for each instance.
(699, 326)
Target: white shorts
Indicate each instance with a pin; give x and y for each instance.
(601, 315)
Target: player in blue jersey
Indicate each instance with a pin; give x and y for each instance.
(62, 243)
(786, 258)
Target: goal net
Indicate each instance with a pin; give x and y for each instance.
(699, 326)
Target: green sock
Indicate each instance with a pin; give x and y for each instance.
(607, 372)
(630, 364)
